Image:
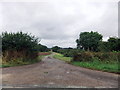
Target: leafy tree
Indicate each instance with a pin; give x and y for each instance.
(55, 48)
(89, 40)
(104, 46)
(42, 48)
(114, 44)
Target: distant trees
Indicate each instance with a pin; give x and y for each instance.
(55, 48)
(89, 41)
(113, 44)
(69, 52)
(42, 48)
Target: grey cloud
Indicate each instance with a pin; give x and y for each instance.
(59, 22)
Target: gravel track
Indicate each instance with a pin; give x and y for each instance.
(52, 72)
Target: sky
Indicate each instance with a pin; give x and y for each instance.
(59, 22)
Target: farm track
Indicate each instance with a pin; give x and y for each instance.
(52, 72)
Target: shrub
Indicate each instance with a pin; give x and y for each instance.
(19, 45)
(69, 52)
(101, 56)
(83, 56)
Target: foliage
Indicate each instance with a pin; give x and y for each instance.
(62, 57)
(55, 48)
(42, 48)
(83, 56)
(18, 41)
(104, 46)
(113, 44)
(101, 56)
(89, 41)
(95, 63)
(19, 62)
(19, 45)
(68, 52)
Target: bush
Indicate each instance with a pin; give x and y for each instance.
(83, 56)
(101, 56)
(19, 45)
(107, 56)
(69, 52)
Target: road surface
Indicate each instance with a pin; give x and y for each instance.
(52, 72)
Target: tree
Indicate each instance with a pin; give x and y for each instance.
(114, 44)
(89, 41)
(55, 48)
(104, 46)
(42, 48)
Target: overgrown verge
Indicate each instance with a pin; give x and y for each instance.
(94, 60)
(20, 62)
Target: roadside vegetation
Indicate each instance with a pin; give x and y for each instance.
(20, 49)
(19, 62)
(62, 57)
(92, 52)
(109, 65)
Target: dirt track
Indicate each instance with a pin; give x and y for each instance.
(53, 72)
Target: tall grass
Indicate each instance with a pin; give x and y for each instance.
(20, 61)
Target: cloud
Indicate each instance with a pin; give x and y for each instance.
(59, 22)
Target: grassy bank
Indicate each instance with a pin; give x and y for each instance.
(61, 57)
(19, 62)
(95, 64)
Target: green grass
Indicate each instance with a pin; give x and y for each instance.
(19, 62)
(61, 57)
(95, 64)
(99, 66)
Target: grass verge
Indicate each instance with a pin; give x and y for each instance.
(99, 66)
(95, 64)
(61, 57)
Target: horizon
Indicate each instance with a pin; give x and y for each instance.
(58, 22)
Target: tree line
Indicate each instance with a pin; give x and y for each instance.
(26, 46)
(92, 41)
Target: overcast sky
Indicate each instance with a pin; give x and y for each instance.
(59, 22)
